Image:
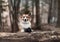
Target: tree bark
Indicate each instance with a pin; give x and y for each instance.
(1, 10)
(58, 21)
(15, 11)
(32, 21)
(49, 14)
(38, 22)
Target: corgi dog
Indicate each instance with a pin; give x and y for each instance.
(25, 23)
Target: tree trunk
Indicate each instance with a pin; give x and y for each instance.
(15, 10)
(58, 21)
(26, 6)
(33, 3)
(50, 8)
(38, 22)
(1, 10)
(0, 19)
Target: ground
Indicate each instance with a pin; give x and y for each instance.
(52, 35)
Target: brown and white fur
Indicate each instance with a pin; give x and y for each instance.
(25, 22)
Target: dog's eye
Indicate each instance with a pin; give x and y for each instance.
(28, 17)
(23, 17)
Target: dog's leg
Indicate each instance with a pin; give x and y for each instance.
(22, 30)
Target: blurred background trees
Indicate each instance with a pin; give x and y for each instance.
(58, 22)
(0, 13)
(43, 12)
(15, 10)
(38, 24)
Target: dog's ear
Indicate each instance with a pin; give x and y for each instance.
(20, 15)
(30, 14)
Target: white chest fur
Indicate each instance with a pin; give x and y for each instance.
(25, 24)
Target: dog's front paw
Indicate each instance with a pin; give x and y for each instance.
(22, 30)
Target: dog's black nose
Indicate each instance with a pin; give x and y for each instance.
(25, 20)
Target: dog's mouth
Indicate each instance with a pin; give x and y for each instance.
(25, 20)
